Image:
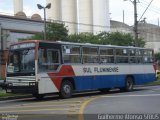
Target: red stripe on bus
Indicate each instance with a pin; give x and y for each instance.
(65, 71)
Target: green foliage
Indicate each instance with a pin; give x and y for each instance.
(83, 38)
(59, 32)
(56, 31)
(38, 36)
(157, 56)
(114, 38)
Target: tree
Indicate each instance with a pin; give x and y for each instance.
(157, 56)
(118, 38)
(38, 36)
(59, 32)
(56, 31)
(83, 38)
(105, 38)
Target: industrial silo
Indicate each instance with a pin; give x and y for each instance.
(85, 15)
(81, 15)
(54, 13)
(69, 14)
(101, 20)
(18, 6)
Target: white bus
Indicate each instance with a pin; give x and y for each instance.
(43, 67)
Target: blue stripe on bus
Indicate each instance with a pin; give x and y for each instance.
(109, 81)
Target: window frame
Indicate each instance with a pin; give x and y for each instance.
(97, 47)
(45, 49)
(80, 54)
(105, 48)
(121, 56)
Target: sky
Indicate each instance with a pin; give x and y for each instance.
(116, 9)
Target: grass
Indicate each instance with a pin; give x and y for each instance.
(157, 82)
(4, 94)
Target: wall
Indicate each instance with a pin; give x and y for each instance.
(3, 66)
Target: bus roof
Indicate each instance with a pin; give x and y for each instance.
(79, 44)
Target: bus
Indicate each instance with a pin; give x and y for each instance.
(45, 67)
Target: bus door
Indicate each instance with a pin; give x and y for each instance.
(48, 64)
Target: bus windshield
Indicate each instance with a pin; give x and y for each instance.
(21, 61)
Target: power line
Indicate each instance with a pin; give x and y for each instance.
(146, 9)
(151, 8)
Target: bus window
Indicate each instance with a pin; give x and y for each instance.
(122, 55)
(48, 60)
(90, 55)
(139, 55)
(71, 54)
(106, 55)
(22, 61)
(132, 57)
(148, 56)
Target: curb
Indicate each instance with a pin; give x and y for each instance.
(15, 97)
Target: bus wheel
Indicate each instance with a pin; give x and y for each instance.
(66, 89)
(128, 85)
(38, 96)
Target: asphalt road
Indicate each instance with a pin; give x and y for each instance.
(142, 103)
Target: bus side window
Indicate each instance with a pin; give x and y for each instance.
(53, 59)
(42, 56)
(71, 54)
(42, 60)
(48, 60)
(106, 55)
(90, 55)
(148, 56)
(122, 55)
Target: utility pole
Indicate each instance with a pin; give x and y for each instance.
(1, 41)
(135, 23)
(134, 2)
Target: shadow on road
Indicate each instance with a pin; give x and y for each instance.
(55, 97)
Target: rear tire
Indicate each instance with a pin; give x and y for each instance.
(129, 84)
(66, 89)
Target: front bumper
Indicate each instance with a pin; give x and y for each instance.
(20, 88)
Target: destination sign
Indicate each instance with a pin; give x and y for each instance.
(23, 45)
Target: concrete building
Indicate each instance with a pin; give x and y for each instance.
(14, 28)
(81, 15)
(120, 27)
(149, 32)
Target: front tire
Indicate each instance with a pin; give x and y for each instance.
(66, 89)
